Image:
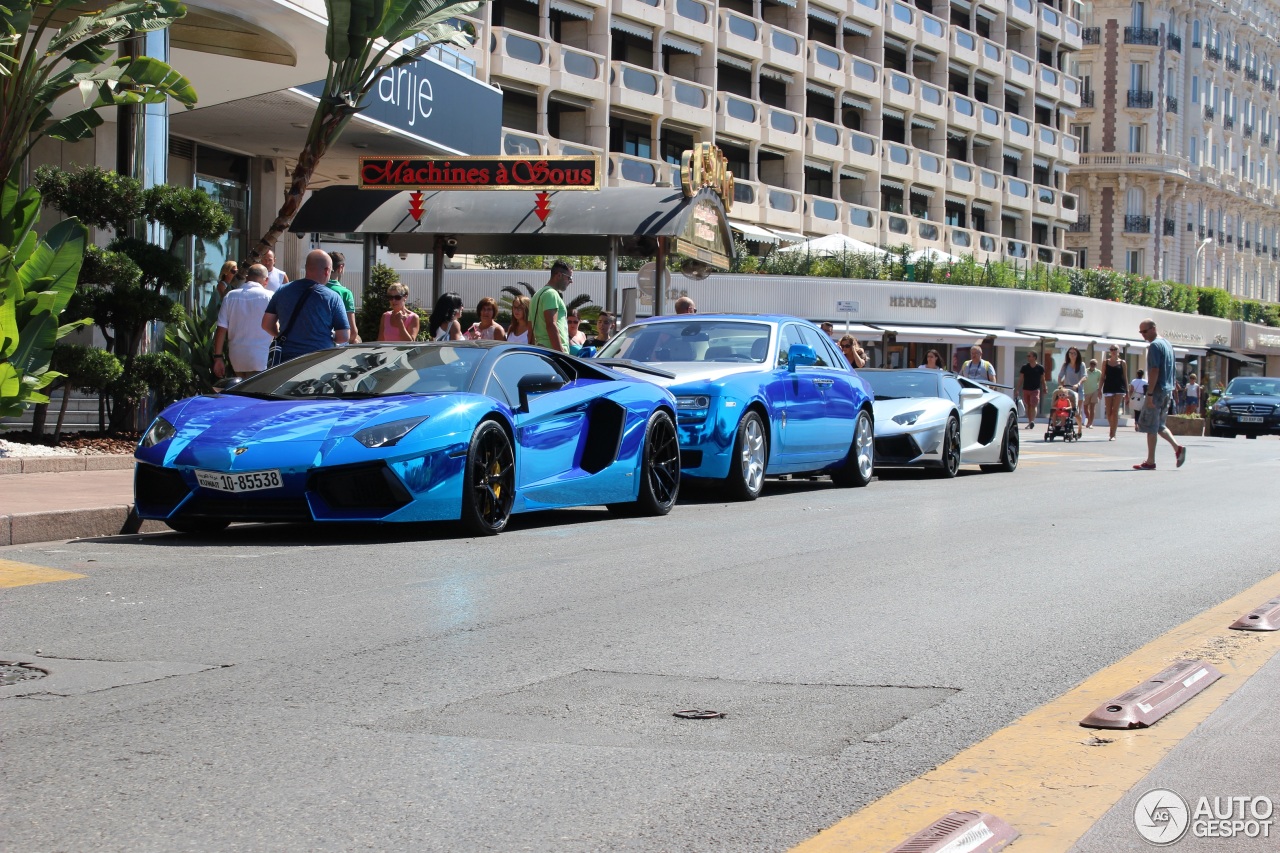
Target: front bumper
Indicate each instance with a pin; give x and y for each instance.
(1269, 425)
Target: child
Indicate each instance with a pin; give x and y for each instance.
(1061, 408)
(1193, 396)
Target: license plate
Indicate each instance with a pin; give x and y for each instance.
(244, 481)
(1249, 419)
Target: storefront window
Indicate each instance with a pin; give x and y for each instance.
(211, 254)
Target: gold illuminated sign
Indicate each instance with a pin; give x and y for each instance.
(705, 167)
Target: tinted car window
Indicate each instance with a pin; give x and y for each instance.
(691, 341)
(902, 384)
(951, 388)
(818, 341)
(790, 335)
(1261, 386)
(369, 371)
(505, 381)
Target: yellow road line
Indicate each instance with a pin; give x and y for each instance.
(24, 574)
(1044, 774)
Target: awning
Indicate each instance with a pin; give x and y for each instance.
(932, 335)
(1011, 214)
(753, 233)
(631, 28)
(1040, 162)
(917, 121)
(776, 74)
(925, 55)
(823, 15)
(1236, 356)
(1044, 103)
(817, 166)
(572, 9)
(923, 192)
(1107, 343)
(1014, 153)
(1008, 337)
(856, 28)
(858, 330)
(980, 205)
(733, 62)
(1061, 340)
(983, 12)
(790, 237)
(1016, 91)
(791, 3)
(891, 184)
(819, 89)
(1188, 352)
(682, 45)
(496, 222)
(852, 101)
(889, 112)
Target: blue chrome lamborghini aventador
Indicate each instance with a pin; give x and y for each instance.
(408, 432)
(756, 396)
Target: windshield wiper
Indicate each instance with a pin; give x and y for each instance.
(257, 395)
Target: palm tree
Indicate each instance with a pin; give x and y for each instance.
(361, 37)
(77, 57)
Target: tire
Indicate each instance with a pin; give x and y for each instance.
(750, 458)
(659, 469)
(950, 464)
(198, 526)
(1010, 450)
(860, 464)
(488, 485)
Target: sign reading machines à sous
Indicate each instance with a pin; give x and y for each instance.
(480, 173)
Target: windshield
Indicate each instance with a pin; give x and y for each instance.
(897, 385)
(1260, 386)
(374, 371)
(692, 341)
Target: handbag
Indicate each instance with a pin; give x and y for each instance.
(275, 355)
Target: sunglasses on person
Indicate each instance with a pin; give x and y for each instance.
(397, 298)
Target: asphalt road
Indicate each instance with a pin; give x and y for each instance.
(286, 688)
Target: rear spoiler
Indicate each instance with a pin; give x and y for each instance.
(637, 366)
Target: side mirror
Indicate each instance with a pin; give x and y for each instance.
(587, 352)
(538, 383)
(800, 355)
(971, 393)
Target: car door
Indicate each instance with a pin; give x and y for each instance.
(549, 433)
(970, 406)
(834, 384)
(800, 423)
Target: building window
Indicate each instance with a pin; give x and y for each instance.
(1082, 258)
(1135, 202)
(1195, 89)
(1081, 133)
(1135, 139)
(1133, 261)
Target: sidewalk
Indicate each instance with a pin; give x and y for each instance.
(63, 497)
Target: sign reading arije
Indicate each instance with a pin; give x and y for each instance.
(540, 174)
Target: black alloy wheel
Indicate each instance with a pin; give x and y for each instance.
(1009, 449)
(950, 463)
(659, 469)
(488, 487)
(198, 526)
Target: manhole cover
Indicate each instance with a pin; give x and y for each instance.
(12, 673)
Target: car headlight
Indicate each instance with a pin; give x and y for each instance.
(908, 418)
(700, 401)
(160, 430)
(1220, 406)
(386, 435)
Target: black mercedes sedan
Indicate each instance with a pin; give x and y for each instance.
(1250, 406)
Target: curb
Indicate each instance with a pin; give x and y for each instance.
(25, 528)
(60, 464)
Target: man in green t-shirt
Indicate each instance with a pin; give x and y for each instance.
(348, 298)
(547, 311)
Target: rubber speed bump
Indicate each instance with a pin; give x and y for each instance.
(961, 832)
(1151, 700)
(1264, 617)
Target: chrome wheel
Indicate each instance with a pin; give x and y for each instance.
(860, 464)
(750, 458)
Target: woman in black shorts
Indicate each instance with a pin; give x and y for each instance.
(1115, 385)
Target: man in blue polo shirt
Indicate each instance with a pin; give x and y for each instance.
(1160, 376)
(321, 318)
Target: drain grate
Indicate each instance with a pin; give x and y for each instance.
(12, 672)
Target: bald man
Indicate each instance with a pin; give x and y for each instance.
(306, 312)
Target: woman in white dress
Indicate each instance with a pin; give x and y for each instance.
(518, 331)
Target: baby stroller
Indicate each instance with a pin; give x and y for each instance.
(1062, 418)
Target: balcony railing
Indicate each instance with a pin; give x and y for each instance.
(1212, 52)
(1251, 74)
(1086, 98)
(1092, 35)
(1141, 100)
(1229, 122)
(1081, 225)
(1248, 131)
(1268, 84)
(1233, 64)
(1174, 42)
(1171, 104)
(1208, 113)
(1265, 137)
(1169, 227)
(1137, 224)
(1142, 35)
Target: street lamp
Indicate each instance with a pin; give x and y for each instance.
(1200, 251)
